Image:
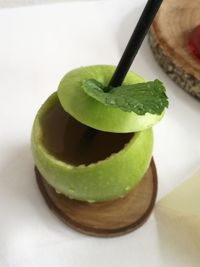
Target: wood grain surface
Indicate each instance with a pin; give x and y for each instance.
(112, 218)
(168, 39)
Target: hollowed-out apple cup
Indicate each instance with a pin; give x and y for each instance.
(96, 182)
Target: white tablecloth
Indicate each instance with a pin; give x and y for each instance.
(38, 46)
(15, 3)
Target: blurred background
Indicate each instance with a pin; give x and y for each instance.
(15, 3)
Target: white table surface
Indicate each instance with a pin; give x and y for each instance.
(38, 46)
(16, 3)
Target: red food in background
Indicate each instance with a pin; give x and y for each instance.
(193, 44)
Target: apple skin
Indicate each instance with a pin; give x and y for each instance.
(105, 180)
(94, 114)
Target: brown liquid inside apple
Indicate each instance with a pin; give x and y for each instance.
(69, 140)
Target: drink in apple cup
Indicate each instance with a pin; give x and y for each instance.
(92, 143)
(109, 163)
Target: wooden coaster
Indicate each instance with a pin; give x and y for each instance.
(168, 39)
(112, 218)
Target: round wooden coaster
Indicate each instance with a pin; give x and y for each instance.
(112, 218)
(168, 39)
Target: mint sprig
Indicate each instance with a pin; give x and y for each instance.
(141, 98)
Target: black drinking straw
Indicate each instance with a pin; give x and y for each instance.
(130, 52)
(135, 41)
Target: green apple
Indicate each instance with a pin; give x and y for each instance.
(92, 113)
(104, 180)
(112, 177)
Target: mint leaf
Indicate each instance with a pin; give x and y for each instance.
(140, 98)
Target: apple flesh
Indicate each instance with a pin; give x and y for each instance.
(95, 114)
(183, 202)
(104, 180)
(178, 220)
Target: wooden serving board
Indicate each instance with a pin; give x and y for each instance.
(168, 39)
(112, 218)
